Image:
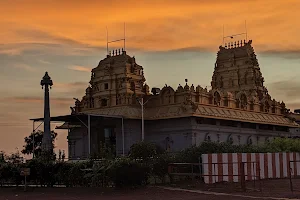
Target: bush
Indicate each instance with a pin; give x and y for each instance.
(160, 165)
(142, 150)
(126, 172)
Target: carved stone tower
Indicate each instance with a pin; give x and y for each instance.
(117, 80)
(237, 69)
(46, 82)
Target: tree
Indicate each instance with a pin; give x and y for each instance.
(15, 158)
(2, 157)
(35, 140)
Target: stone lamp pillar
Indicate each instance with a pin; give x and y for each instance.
(46, 83)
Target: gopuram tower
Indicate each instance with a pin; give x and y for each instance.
(46, 83)
(237, 69)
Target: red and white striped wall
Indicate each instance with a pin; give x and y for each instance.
(226, 167)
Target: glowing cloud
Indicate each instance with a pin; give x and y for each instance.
(80, 68)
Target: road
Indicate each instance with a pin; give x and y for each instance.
(96, 194)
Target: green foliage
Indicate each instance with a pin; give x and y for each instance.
(160, 165)
(2, 157)
(127, 172)
(193, 153)
(98, 175)
(105, 152)
(36, 140)
(143, 150)
(14, 158)
(284, 145)
(123, 172)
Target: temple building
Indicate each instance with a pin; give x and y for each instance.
(237, 109)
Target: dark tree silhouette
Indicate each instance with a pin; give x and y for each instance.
(36, 139)
(2, 159)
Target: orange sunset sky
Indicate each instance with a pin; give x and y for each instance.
(171, 39)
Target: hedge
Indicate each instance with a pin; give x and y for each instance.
(145, 160)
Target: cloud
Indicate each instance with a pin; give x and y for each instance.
(179, 25)
(12, 52)
(24, 67)
(284, 53)
(43, 36)
(286, 89)
(71, 85)
(75, 89)
(80, 68)
(44, 62)
(39, 100)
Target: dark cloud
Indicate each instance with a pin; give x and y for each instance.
(287, 90)
(287, 54)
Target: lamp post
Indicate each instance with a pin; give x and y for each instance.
(46, 83)
(142, 103)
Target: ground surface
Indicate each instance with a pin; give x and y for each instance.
(278, 188)
(193, 190)
(88, 194)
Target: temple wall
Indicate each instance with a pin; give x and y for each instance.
(171, 134)
(218, 133)
(132, 134)
(78, 146)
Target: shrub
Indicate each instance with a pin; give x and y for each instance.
(160, 165)
(142, 150)
(126, 172)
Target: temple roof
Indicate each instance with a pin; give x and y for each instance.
(178, 111)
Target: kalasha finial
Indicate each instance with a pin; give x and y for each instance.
(46, 80)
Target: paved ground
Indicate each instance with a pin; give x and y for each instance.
(277, 188)
(188, 190)
(149, 193)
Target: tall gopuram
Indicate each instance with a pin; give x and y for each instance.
(237, 70)
(46, 84)
(238, 109)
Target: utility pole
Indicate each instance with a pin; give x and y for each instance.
(143, 133)
(142, 103)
